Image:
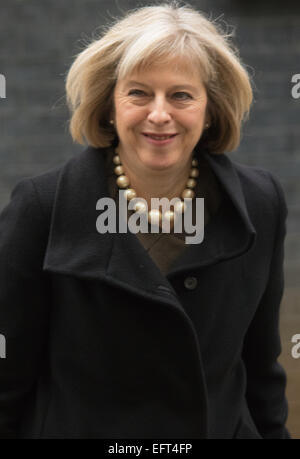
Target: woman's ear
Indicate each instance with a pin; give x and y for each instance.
(111, 108)
(208, 114)
(207, 122)
(111, 115)
(207, 119)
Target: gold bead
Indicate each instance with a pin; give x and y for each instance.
(119, 170)
(194, 172)
(154, 216)
(130, 194)
(116, 160)
(195, 162)
(187, 193)
(140, 206)
(191, 183)
(179, 207)
(123, 181)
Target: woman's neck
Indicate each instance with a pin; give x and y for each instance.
(156, 183)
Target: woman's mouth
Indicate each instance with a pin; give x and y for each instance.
(159, 139)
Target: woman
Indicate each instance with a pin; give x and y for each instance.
(141, 335)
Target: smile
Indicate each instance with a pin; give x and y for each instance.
(160, 140)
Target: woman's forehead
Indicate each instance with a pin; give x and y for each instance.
(169, 67)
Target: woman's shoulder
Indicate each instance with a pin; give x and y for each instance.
(262, 187)
(43, 186)
(35, 194)
(25, 219)
(263, 180)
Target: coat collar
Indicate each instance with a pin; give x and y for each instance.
(76, 248)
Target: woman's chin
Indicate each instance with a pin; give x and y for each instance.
(158, 166)
(158, 163)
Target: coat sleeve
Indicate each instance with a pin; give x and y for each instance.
(23, 302)
(266, 379)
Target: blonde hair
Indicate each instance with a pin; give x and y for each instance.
(159, 34)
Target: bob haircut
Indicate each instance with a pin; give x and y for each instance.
(151, 35)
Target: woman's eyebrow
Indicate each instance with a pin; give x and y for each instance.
(188, 86)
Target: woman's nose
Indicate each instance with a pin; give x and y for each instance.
(159, 110)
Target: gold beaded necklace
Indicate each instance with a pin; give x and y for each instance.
(154, 215)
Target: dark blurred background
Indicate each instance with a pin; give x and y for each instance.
(38, 41)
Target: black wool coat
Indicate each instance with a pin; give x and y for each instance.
(100, 344)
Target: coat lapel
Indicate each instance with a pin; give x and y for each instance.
(76, 248)
(230, 233)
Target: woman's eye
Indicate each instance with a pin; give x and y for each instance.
(185, 94)
(177, 95)
(135, 92)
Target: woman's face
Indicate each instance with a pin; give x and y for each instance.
(159, 101)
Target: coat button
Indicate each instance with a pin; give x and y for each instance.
(190, 283)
